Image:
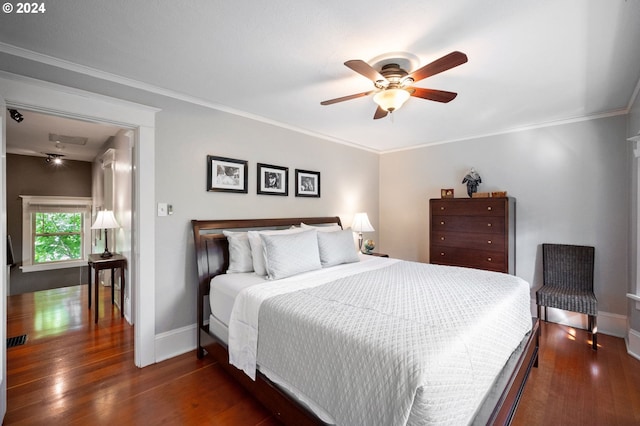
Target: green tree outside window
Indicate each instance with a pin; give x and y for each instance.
(57, 237)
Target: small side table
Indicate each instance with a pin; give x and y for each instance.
(97, 263)
(373, 253)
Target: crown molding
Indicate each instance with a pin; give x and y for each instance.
(136, 84)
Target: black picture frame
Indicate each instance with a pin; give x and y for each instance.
(227, 174)
(307, 183)
(273, 180)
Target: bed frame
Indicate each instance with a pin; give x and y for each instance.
(212, 257)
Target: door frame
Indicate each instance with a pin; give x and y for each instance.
(40, 96)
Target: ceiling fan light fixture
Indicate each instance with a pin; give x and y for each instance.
(391, 99)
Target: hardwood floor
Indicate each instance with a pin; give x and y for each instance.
(72, 371)
(575, 385)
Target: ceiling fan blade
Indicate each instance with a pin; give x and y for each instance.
(433, 95)
(447, 62)
(363, 68)
(380, 113)
(346, 98)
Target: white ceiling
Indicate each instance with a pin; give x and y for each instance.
(31, 136)
(531, 62)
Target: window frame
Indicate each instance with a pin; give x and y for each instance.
(51, 204)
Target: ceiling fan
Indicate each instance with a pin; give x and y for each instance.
(393, 85)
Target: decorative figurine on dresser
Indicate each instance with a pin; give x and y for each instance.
(472, 179)
(473, 232)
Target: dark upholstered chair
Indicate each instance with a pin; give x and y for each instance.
(568, 282)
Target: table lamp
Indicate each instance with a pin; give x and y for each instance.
(105, 220)
(361, 224)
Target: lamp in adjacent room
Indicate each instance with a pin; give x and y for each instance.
(361, 224)
(105, 220)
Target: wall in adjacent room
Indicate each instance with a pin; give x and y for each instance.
(113, 190)
(27, 175)
(571, 183)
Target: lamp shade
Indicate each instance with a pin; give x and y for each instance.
(105, 220)
(391, 99)
(361, 223)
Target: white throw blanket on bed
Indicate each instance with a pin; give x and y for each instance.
(243, 325)
(408, 343)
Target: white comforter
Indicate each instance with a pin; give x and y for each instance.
(432, 349)
(243, 325)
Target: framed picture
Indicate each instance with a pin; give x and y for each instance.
(307, 183)
(226, 174)
(273, 180)
(446, 193)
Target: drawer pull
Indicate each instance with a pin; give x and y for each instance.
(489, 208)
(442, 222)
(489, 242)
(441, 253)
(442, 208)
(489, 259)
(489, 225)
(441, 238)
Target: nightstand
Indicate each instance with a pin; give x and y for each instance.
(376, 254)
(114, 262)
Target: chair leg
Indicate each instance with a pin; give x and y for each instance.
(593, 327)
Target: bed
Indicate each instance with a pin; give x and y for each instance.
(319, 373)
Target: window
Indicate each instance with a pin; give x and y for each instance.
(55, 232)
(57, 237)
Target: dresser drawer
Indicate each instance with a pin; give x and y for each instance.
(469, 207)
(480, 259)
(483, 224)
(476, 241)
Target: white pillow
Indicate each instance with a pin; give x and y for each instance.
(240, 259)
(291, 254)
(257, 252)
(326, 228)
(337, 248)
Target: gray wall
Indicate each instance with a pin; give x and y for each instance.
(571, 183)
(185, 135)
(28, 175)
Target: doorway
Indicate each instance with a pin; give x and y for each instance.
(19, 92)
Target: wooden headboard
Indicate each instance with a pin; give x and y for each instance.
(212, 248)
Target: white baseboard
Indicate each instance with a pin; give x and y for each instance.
(176, 342)
(633, 343)
(608, 323)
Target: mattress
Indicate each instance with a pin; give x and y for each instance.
(223, 291)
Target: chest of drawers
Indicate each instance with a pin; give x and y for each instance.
(473, 232)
